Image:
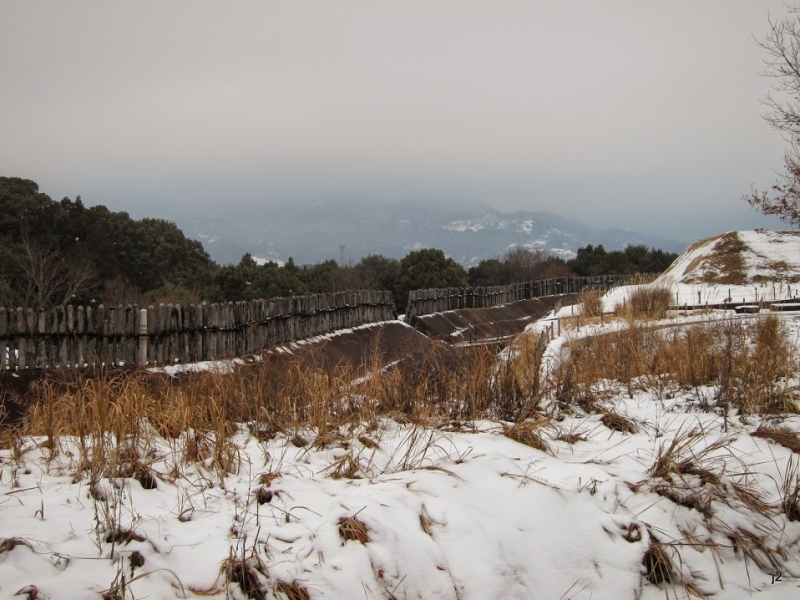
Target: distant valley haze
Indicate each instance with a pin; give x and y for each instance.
(293, 128)
(468, 231)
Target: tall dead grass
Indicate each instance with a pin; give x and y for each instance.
(116, 415)
(592, 302)
(648, 302)
(748, 362)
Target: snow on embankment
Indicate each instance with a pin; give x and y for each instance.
(737, 266)
(739, 258)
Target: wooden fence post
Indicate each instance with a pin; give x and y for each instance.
(4, 349)
(143, 337)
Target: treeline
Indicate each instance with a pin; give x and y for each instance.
(596, 260)
(54, 253)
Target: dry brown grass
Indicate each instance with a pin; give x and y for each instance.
(752, 377)
(619, 423)
(123, 536)
(248, 574)
(649, 302)
(351, 528)
(687, 454)
(293, 590)
(592, 302)
(263, 495)
(790, 492)
(780, 435)
(657, 563)
(116, 414)
(662, 564)
(707, 478)
(570, 436)
(528, 432)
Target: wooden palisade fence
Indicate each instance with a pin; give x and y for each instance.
(425, 302)
(79, 336)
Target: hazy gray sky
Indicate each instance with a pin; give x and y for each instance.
(640, 114)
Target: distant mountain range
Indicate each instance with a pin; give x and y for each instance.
(466, 231)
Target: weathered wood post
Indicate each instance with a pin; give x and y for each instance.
(143, 337)
(4, 362)
(21, 341)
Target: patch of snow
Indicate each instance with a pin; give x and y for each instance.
(469, 225)
(259, 260)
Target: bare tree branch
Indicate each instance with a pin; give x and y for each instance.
(782, 46)
(44, 278)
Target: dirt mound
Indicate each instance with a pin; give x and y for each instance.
(739, 258)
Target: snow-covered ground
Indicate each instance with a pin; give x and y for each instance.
(449, 514)
(460, 512)
(698, 294)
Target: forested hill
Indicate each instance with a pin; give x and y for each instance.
(60, 252)
(56, 252)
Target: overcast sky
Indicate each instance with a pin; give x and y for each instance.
(638, 114)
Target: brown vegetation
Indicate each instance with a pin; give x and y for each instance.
(724, 265)
(650, 302)
(750, 377)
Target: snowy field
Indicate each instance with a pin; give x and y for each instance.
(449, 514)
(396, 510)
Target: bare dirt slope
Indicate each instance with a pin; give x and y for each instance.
(470, 325)
(380, 343)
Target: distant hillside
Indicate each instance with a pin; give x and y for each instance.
(466, 231)
(739, 258)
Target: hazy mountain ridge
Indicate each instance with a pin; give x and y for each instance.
(469, 232)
